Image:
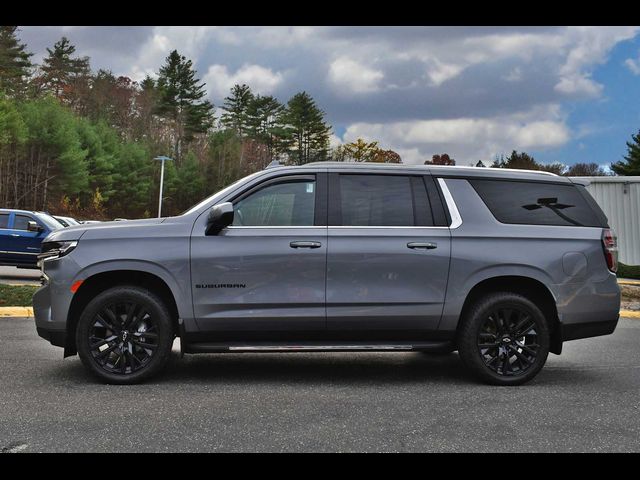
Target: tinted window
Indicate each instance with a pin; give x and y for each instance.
(21, 222)
(289, 203)
(49, 221)
(377, 200)
(536, 203)
(4, 220)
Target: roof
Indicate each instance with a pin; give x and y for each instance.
(611, 179)
(444, 170)
(17, 210)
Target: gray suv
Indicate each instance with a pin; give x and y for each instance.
(501, 265)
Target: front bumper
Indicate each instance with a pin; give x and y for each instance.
(47, 326)
(57, 338)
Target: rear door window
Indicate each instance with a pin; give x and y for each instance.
(381, 200)
(4, 220)
(536, 203)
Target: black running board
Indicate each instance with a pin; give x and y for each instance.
(315, 346)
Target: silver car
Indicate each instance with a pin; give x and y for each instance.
(502, 266)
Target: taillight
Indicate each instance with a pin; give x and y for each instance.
(610, 246)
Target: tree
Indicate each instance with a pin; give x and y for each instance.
(55, 162)
(181, 101)
(556, 168)
(386, 156)
(522, 161)
(264, 124)
(132, 181)
(64, 76)
(480, 164)
(357, 151)
(631, 165)
(443, 159)
(14, 62)
(307, 129)
(236, 108)
(585, 170)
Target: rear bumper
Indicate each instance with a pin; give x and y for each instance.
(574, 331)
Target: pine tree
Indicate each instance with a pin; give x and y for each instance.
(308, 131)
(264, 123)
(236, 108)
(181, 100)
(631, 165)
(14, 62)
(65, 76)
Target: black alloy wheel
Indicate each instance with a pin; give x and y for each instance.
(504, 339)
(125, 334)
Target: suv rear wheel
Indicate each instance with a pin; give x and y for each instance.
(125, 335)
(504, 339)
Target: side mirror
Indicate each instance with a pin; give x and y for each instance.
(34, 227)
(220, 216)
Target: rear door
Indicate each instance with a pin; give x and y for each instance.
(388, 255)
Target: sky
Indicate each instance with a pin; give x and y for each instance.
(562, 94)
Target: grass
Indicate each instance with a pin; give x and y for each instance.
(628, 271)
(16, 295)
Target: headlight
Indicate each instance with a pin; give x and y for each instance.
(56, 249)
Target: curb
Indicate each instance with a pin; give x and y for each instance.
(28, 312)
(629, 282)
(16, 311)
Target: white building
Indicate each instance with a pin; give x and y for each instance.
(619, 198)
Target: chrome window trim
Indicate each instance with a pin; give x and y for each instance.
(335, 226)
(456, 219)
(274, 226)
(18, 253)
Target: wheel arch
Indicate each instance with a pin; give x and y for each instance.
(99, 282)
(531, 288)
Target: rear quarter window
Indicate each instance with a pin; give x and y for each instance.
(536, 203)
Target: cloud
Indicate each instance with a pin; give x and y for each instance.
(633, 64)
(350, 76)
(466, 139)
(262, 80)
(468, 91)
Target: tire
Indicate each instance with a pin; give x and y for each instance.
(125, 358)
(501, 326)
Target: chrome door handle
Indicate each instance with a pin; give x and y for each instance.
(14, 234)
(300, 244)
(422, 245)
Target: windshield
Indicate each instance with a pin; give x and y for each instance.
(220, 193)
(49, 221)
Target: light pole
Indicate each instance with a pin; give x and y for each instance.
(162, 158)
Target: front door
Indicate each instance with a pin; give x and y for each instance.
(23, 245)
(388, 261)
(266, 272)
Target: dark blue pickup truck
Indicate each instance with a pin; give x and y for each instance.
(21, 233)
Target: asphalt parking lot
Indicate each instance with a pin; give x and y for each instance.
(586, 400)
(19, 276)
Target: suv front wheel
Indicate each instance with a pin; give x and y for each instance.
(125, 335)
(504, 339)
